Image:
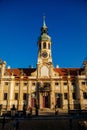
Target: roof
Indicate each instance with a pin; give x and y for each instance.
(20, 71)
(64, 72)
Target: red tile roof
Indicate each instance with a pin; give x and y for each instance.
(27, 72)
(64, 72)
(18, 71)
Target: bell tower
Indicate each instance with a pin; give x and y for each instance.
(44, 62)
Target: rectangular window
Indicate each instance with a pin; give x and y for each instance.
(40, 46)
(25, 84)
(49, 46)
(85, 95)
(56, 83)
(73, 83)
(65, 96)
(65, 83)
(5, 96)
(44, 45)
(16, 84)
(6, 83)
(33, 84)
(16, 96)
(73, 87)
(74, 95)
(83, 83)
(24, 96)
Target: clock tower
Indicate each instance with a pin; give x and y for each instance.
(44, 64)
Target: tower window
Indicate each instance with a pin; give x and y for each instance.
(44, 45)
(40, 46)
(49, 46)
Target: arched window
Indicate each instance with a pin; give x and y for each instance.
(48, 45)
(44, 45)
(40, 46)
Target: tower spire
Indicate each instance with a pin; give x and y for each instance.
(44, 28)
(44, 22)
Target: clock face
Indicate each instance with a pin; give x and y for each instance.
(44, 54)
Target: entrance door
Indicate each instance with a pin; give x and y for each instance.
(46, 101)
(33, 102)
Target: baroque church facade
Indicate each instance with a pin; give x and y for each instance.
(44, 85)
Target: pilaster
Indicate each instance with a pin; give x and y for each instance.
(10, 93)
(52, 95)
(20, 101)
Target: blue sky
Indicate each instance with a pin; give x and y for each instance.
(20, 23)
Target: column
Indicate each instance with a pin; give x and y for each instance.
(41, 100)
(2, 91)
(20, 101)
(10, 93)
(52, 95)
(70, 101)
(79, 93)
(61, 91)
(29, 93)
